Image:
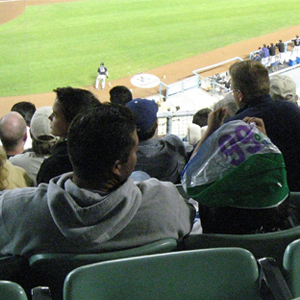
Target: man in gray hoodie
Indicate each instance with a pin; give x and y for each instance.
(97, 207)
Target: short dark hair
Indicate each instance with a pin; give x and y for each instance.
(201, 116)
(74, 101)
(120, 94)
(98, 139)
(251, 78)
(25, 109)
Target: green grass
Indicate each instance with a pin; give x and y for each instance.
(63, 44)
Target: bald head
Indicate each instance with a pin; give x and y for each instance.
(13, 132)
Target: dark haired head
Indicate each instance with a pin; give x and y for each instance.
(74, 101)
(201, 116)
(98, 139)
(120, 94)
(25, 109)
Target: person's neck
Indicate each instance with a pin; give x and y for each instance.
(103, 187)
(18, 150)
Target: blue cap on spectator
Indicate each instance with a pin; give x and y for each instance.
(145, 111)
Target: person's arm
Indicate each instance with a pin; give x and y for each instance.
(215, 120)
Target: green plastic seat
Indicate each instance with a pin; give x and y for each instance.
(271, 244)
(291, 267)
(230, 273)
(50, 269)
(11, 291)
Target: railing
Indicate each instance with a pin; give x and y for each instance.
(176, 123)
(179, 87)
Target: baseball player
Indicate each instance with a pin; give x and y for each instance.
(102, 75)
(281, 48)
(296, 46)
(265, 57)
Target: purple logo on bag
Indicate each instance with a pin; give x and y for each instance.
(229, 144)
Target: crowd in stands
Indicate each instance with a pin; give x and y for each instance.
(98, 177)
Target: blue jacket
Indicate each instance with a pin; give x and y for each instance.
(282, 122)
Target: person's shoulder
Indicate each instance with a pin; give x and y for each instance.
(18, 157)
(172, 138)
(15, 196)
(161, 189)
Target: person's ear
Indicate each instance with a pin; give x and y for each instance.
(25, 136)
(117, 168)
(240, 96)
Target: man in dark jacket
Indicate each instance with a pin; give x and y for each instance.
(251, 88)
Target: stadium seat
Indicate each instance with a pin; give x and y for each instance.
(230, 273)
(16, 269)
(271, 244)
(50, 269)
(291, 267)
(11, 291)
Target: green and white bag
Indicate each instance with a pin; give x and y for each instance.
(237, 166)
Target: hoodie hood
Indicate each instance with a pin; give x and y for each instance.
(87, 217)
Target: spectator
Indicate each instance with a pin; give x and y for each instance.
(200, 117)
(26, 110)
(251, 88)
(13, 133)
(229, 103)
(42, 141)
(68, 103)
(12, 176)
(162, 158)
(258, 54)
(96, 208)
(197, 128)
(236, 195)
(120, 94)
(283, 87)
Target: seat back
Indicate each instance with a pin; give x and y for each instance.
(291, 267)
(271, 244)
(230, 273)
(16, 269)
(50, 269)
(11, 291)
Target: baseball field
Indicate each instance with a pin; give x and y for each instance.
(59, 43)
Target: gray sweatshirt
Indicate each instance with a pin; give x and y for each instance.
(61, 217)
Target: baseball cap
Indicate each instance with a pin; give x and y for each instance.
(282, 87)
(145, 111)
(40, 125)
